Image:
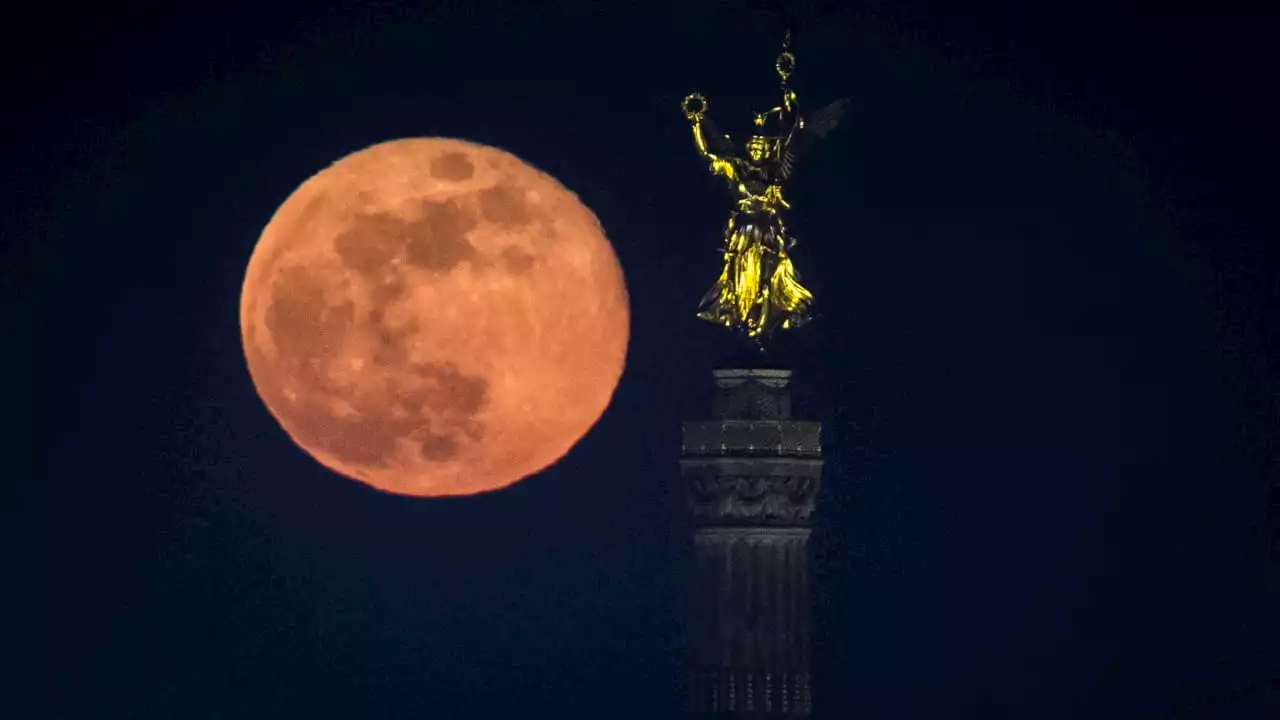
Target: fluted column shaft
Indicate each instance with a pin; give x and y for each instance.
(751, 621)
(753, 475)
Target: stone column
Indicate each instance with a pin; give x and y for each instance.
(753, 475)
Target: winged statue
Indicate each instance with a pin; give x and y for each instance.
(759, 290)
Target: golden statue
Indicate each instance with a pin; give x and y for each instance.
(759, 290)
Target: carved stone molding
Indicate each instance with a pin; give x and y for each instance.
(753, 499)
(754, 394)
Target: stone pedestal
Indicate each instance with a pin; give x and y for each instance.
(753, 475)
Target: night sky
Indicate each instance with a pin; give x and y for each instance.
(1045, 360)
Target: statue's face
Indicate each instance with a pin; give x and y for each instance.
(757, 148)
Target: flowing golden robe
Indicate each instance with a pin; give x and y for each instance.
(758, 290)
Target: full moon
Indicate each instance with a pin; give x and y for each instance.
(434, 317)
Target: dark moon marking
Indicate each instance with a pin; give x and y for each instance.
(387, 291)
(371, 241)
(438, 240)
(504, 204)
(437, 448)
(454, 166)
(439, 417)
(303, 323)
(517, 261)
(411, 404)
(448, 404)
(449, 391)
(364, 442)
(314, 207)
(392, 348)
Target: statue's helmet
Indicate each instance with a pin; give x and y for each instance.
(765, 142)
(759, 147)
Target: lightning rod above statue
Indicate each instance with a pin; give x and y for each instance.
(759, 290)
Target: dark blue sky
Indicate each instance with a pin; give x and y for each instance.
(1045, 360)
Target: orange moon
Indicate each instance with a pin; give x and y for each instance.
(434, 317)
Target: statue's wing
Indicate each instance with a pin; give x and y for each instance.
(717, 141)
(825, 120)
(815, 128)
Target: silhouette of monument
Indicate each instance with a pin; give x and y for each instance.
(753, 475)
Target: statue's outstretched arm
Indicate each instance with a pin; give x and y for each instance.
(720, 165)
(700, 140)
(711, 142)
